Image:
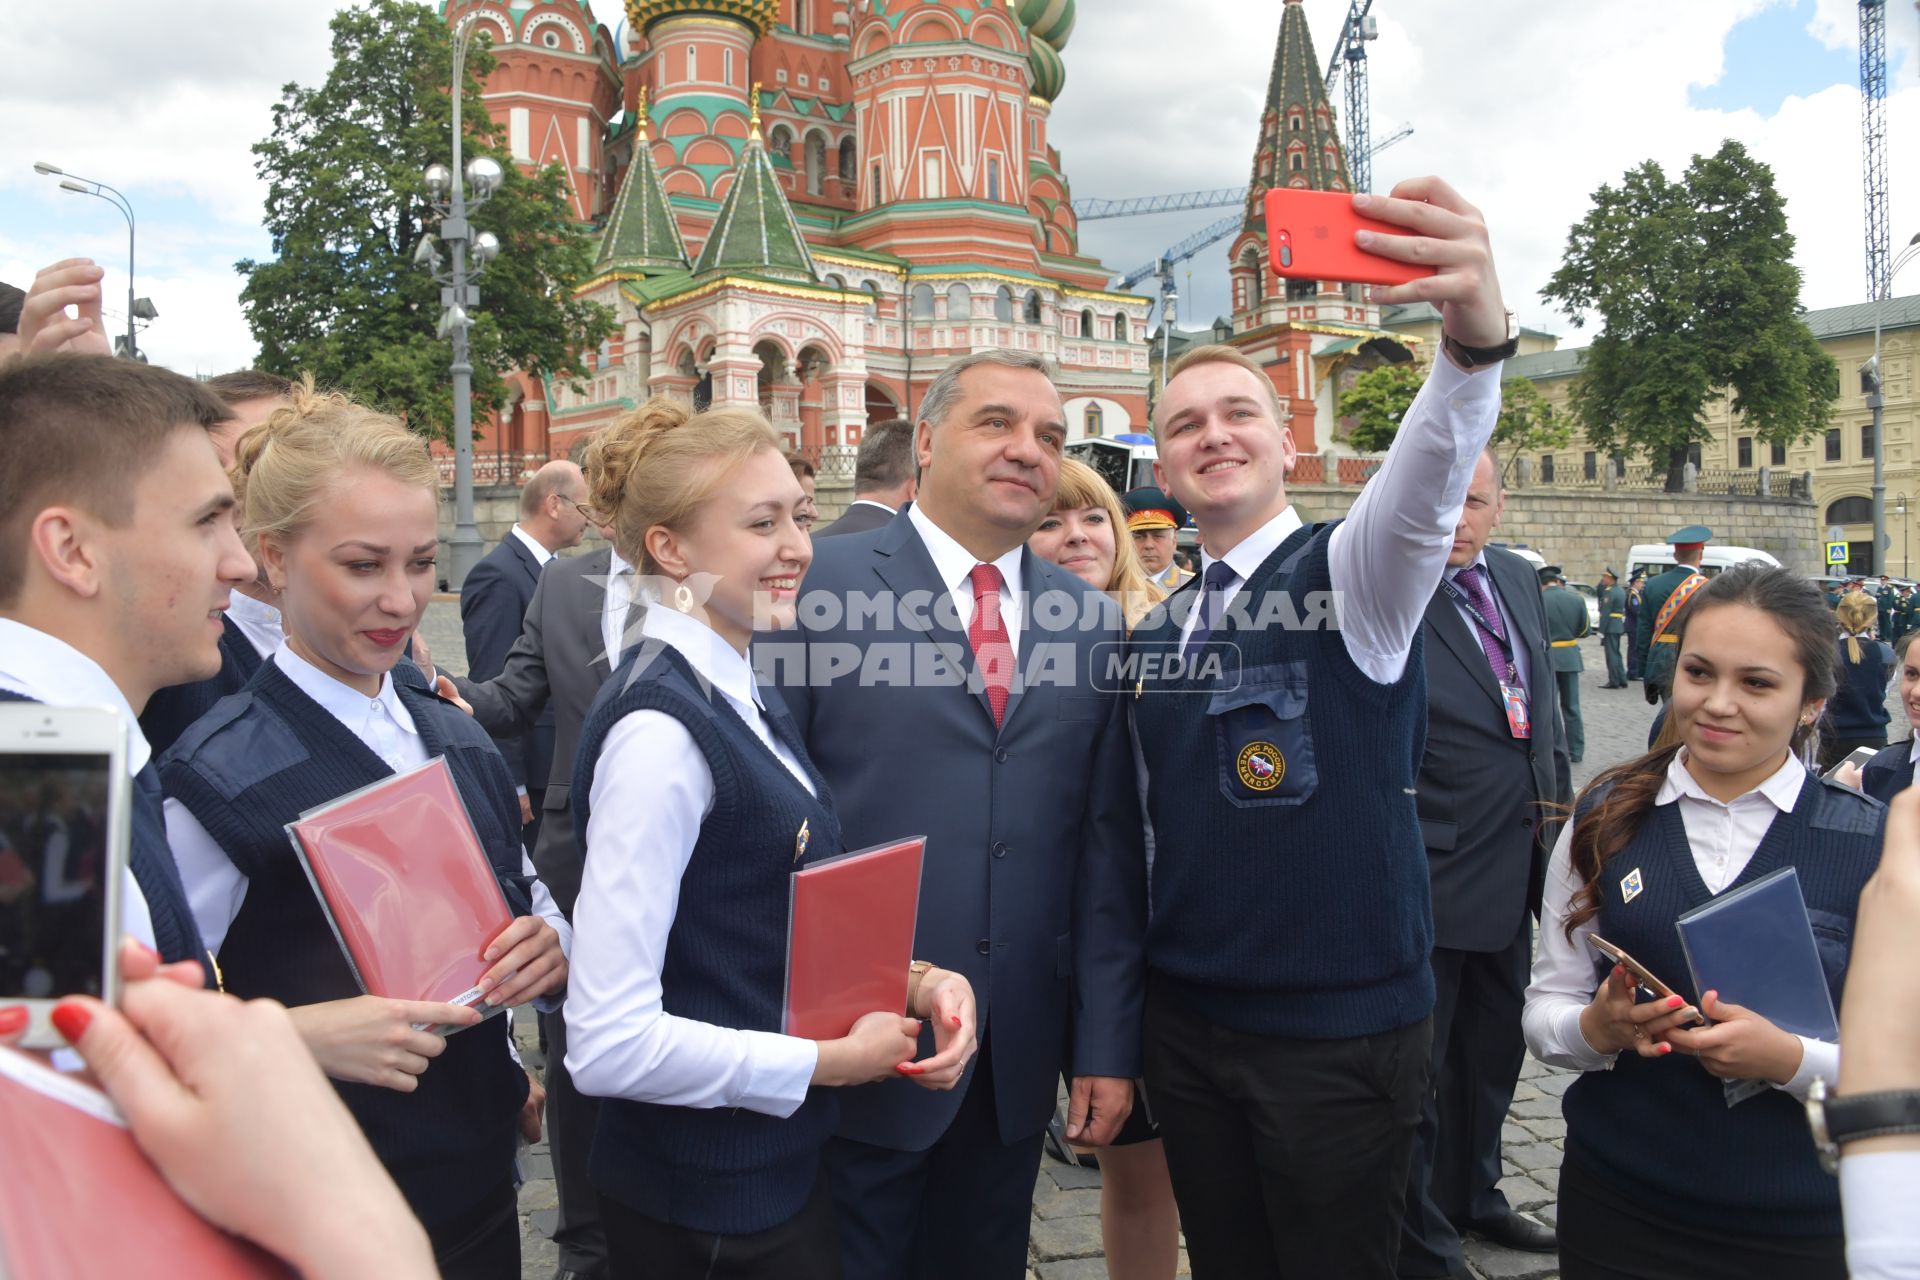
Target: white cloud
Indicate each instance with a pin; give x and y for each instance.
(1527, 108)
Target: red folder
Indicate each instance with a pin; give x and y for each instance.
(406, 885)
(850, 937)
(78, 1200)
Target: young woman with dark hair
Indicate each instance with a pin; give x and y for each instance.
(1662, 1176)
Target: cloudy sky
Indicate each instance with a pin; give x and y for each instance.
(1526, 107)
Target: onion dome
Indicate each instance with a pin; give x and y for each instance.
(1048, 20)
(758, 14)
(1049, 70)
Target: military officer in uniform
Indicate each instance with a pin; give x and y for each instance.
(1613, 625)
(1154, 520)
(1567, 622)
(1657, 633)
(1636, 587)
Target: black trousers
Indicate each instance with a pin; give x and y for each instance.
(571, 1116)
(960, 1210)
(804, 1247)
(1475, 1062)
(1289, 1157)
(483, 1243)
(1604, 1236)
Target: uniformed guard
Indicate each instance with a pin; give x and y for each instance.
(1661, 603)
(1636, 652)
(1567, 622)
(1154, 520)
(1613, 625)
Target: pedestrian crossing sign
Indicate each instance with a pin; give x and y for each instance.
(1836, 553)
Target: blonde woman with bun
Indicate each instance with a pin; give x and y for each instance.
(1086, 534)
(1857, 713)
(695, 800)
(341, 507)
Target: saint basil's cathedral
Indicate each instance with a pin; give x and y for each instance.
(815, 205)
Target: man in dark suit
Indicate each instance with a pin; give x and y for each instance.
(1485, 784)
(574, 632)
(967, 714)
(884, 479)
(493, 603)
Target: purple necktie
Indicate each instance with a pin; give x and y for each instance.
(1491, 643)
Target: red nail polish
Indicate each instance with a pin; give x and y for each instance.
(908, 1069)
(13, 1020)
(146, 949)
(71, 1021)
(1674, 1002)
(1665, 1048)
(956, 1021)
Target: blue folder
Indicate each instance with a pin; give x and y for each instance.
(1754, 945)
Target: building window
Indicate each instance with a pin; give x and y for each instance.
(1546, 469)
(1850, 511)
(1778, 453)
(519, 127)
(1866, 441)
(1589, 469)
(1295, 123)
(959, 302)
(848, 162)
(1296, 162)
(1031, 311)
(780, 142)
(1743, 450)
(1619, 464)
(693, 63)
(803, 80)
(876, 195)
(1003, 305)
(1086, 323)
(816, 162)
(726, 64)
(923, 302)
(993, 178)
(1833, 444)
(1093, 419)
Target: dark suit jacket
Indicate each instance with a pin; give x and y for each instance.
(858, 518)
(171, 711)
(1481, 790)
(493, 605)
(1034, 884)
(555, 667)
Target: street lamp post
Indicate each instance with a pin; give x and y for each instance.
(100, 190)
(1872, 386)
(455, 193)
(1900, 509)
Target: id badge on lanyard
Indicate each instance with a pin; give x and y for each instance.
(1519, 715)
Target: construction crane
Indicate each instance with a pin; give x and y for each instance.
(1351, 49)
(1873, 141)
(1093, 207)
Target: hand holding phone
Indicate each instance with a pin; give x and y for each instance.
(1619, 1018)
(65, 806)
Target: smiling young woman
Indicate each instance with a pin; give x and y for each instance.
(1086, 535)
(1663, 1177)
(341, 505)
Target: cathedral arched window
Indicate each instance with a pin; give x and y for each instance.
(1296, 122)
(848, 160)
(1086, 323)
(726, 72)
(1095, 419)
(816, 162)
(959, 302)
(1030, 312)
(693, 63)
(923, 302)
(1003, 305)
(780, 142)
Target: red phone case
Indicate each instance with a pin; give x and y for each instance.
(1310, 237)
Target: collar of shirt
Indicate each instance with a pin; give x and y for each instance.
(712, 659)
(954, 562)
(869, 502)
(1913, 752)
(48, 668)
(1252, 551)
(347, 705)
(540, 553)
(1479, 560)
(1781, 788)
(259, 623)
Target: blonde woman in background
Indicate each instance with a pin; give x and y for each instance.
(1086, 534)
(1857, 712)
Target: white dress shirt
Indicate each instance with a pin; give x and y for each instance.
(216, 887)
(954, 563)
(1722, 838)
(259, 623)
(540, 553)
(1522, 664)
(613, 613)
(1878, 1191)
(1386, 558)
(869, 502)
(54, 672)
(652, 790)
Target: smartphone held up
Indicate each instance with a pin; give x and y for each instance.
(65, 800)
(1310, 236)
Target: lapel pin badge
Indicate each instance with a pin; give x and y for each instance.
(1631, 885)
(800, 841)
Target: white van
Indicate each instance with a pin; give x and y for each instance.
(1657, 557)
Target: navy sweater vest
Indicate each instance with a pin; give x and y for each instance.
(257, 761)
(1889, 772)
(171, 711)
(1659, 1132)
(1289, 877)
(733, 1171)
(175, 935)
(1858, 708)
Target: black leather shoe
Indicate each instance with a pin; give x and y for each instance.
(1518, 1231)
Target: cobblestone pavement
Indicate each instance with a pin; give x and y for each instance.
(1066, 1203)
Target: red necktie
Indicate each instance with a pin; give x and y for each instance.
(992, 649)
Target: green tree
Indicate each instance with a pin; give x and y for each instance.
(1698, 298)
(1377, 401)
(347, 209)
(1527, 422)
